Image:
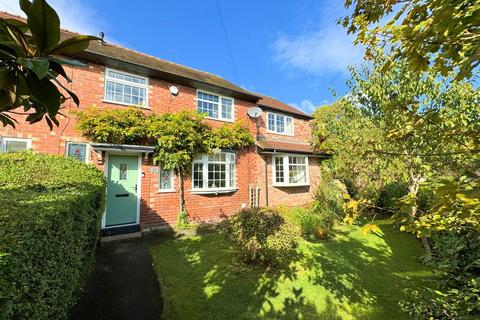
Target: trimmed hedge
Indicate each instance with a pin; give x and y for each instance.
(49, 225)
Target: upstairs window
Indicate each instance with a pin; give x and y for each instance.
(214, 171)
(215, 106)
(290, 170)
(279, 123)
(125, 88)
(14, 144)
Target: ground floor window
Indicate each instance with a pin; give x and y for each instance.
(165, 180)
(78, 150)
(290, 170)
(214, 171)
(14, 144)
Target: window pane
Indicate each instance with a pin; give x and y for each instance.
(297, 169)
(123, 171)
(198, 175)
(15, 146)
(279, 174)
(227, 108)
(289, 125)
(280, 124)
(232, 174)
(271, 122)
(77, 151)
(166, 180)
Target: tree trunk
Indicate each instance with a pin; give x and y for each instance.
(181, 191)
(413, 187)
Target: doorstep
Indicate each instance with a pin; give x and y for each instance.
(117, 237)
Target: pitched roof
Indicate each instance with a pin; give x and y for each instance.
(117, 56)
(282, 146)
(272, 103)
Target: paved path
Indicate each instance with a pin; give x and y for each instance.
(123, 284)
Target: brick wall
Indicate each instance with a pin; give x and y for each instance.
(162, 208)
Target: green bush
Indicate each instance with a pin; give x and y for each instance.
(456, 256)
(390, 194)
(49, 226)
(314, 222)
(262, 236)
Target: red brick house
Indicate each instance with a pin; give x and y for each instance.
(280, 169)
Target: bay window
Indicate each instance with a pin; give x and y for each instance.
(215, 106)
(125, 88)
(214, 171)
(279, 123)
(290, 170)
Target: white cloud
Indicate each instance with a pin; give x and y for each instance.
(308, 106)
(323, 49)
(74, 15)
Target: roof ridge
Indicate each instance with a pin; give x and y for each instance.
(125, 48)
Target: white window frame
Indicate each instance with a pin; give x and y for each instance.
(219, 106)
(4, 140)
(286, 171)
(87, 152)
(204, 161)
(138, 85)
(274, 130)
(172, 180)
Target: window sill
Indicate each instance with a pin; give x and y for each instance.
(280, 134)
(167, 191)
(213, 191)
(125, 104)
(291, 185)
(221, 120)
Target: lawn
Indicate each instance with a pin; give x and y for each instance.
(351, 276)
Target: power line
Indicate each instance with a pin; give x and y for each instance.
(9, 7)
(228, 42)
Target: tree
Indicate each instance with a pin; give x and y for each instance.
(429, 122)
(179, 138)
(443, 34)
(31, 59)
(342, 129)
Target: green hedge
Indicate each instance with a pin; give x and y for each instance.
(50, 215)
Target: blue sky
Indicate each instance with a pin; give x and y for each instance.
(290, 50)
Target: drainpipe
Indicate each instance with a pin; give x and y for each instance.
(266, 180)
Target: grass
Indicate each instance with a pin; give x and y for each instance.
(351, 276)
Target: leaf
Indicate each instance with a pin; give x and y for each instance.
(74, 44)
(44, 25)
(25, 5)
(69, 62)
(57, 67)
(45, 94)
(370, 227)
(38, 65)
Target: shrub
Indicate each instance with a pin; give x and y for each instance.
(262, 236)
(390, 194)
(49, 226)
(313, 222)
(456, 255)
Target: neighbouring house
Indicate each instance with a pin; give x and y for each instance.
(280, 169)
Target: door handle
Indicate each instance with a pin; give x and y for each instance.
(135, 188)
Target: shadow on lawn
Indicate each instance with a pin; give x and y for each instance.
(365, 278)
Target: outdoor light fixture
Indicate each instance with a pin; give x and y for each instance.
(173, 90)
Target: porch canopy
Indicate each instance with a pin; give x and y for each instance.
(123, 148)
(274, 146)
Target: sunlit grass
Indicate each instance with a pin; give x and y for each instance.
(351, 276)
